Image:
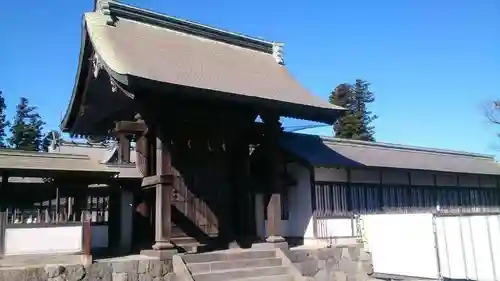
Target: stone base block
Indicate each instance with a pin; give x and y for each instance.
(270, 245)
(162, 245)
(233, 245)
(160, 254)
(275, 239)
(86, 260)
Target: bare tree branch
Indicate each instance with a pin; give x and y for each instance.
(492, 111)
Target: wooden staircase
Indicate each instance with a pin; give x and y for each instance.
(193, 222)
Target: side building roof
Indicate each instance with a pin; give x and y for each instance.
(333, 152)
(105, 155)
(41, 164)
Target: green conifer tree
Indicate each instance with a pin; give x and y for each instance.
(357, 122)
(26, 129)
(4, 123)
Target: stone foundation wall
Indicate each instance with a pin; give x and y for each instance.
(342, 263)
(114, 270)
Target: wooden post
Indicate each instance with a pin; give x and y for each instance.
(163, 223)
(273, 130)
(123, 148)
(124, 130)
(69, 207)
(3, 215)
(58, 204)
(87, 239)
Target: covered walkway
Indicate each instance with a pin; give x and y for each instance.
(45, 195)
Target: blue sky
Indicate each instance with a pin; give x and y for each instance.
(432, 64)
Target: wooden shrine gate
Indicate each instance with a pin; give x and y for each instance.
(196, 111)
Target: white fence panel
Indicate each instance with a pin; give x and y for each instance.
(402, 244)
(43, 240)
(494, 223)
(336, 227)
(335, 230)
(469, 247)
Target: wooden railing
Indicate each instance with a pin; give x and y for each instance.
(195, 209)
(59, 211)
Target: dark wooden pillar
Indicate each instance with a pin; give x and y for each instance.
(87, 238)
(3, 216)
(123, 148)
(124, 130)
(272, 135)
(122, 134)
(58, 205)
(164, 181)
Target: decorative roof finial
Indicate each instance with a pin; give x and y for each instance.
(103, 7)
(278, 53)
(100, 5)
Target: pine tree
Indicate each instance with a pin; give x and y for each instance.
(26, 128)
(3, 121)
(363, 97)
(356, 123)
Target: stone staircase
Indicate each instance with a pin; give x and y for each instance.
(236, 264)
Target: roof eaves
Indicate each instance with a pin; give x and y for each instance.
(119, 10)
(108, 155)
(83, 77)
(80, 79)
(406, 147)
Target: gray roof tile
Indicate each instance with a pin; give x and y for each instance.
(33, 164)
(138, 47)
(330, 152)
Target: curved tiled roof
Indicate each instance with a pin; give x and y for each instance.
(134, 44)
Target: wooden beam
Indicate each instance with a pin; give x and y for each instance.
(152, 181)
(130, 127)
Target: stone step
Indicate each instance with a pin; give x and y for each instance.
(227, 256)
(283, 277)
(183, 240)
(232, 264)
(190, 247)
(241, 273)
